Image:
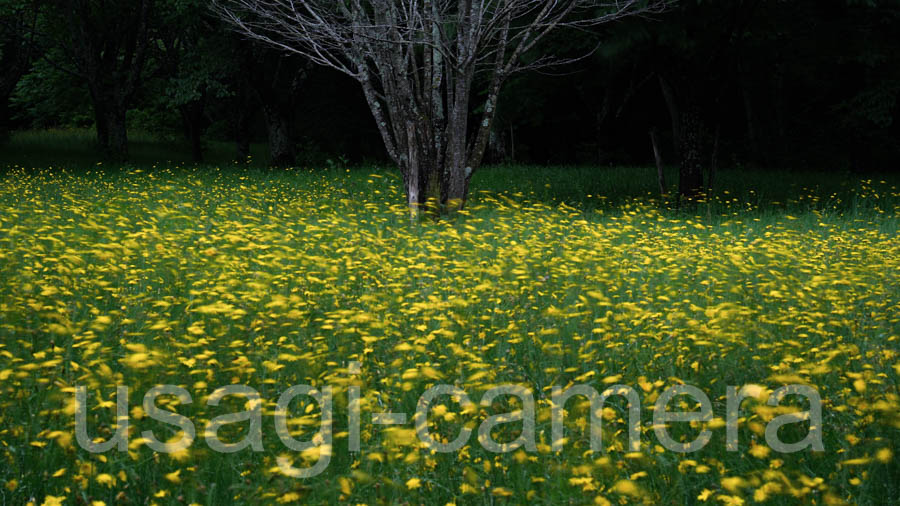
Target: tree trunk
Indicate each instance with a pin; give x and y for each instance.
(4, 119)
(600, 126)
(117, 148)
(282, 152)
(192, 117)
(242, 146)
(109, 113)
(674, 112)
(457, 187)
(660, 174)
(713, 163)
(512, 144)
(687, 135)
(456, 172)
(196, 143)
(690, 179)
(241, 132)
(780, 106)
(413, 172)
(102, 124)
(496, 151)
(750, 117)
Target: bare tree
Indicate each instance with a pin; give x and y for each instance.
(417, 62)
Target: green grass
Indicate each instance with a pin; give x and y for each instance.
(203, 277)
(76, 149)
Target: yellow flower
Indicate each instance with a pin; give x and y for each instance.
(346, 486)
(759, 451)
(501, 492)
(413, 483)
(626, 487)
(289, 498)
(733, 484)
(174, 476)
(106, 479)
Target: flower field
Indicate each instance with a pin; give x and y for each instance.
(208, 278)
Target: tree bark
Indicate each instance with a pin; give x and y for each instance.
(192, 117)
(282, 152)
(600, 126)
(413, 172)
(242, 138)
(660, 174)
(112, 136)
(687, 135)
(101, 119)
(674, 111)
(117, 148)
(750, 118)
(713, 163)
(690, 180)
(4, 118)
(242, 107)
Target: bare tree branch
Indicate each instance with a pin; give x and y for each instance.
(416, 61)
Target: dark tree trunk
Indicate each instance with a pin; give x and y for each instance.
(101, 118)
(657, 157)
(496, 151)
(109, 114)
(750, 116)
(192, 117)
(674, 111)
(117, 148)
(196, 143)
(690, 179)
(713, 163)
(274, 82)
(242, 139)
(456, 175)
(112, 137)
(600, 126)
(457, 187)
(456, 178)
(4, 118)
(243, 108)
(687, 134)
(780, 112)
(282, 152)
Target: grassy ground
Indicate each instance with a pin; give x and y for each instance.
(76, 149)
(205, 277)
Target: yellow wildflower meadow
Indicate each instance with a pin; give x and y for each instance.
(207, 278)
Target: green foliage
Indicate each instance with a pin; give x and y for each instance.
(49, 97)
